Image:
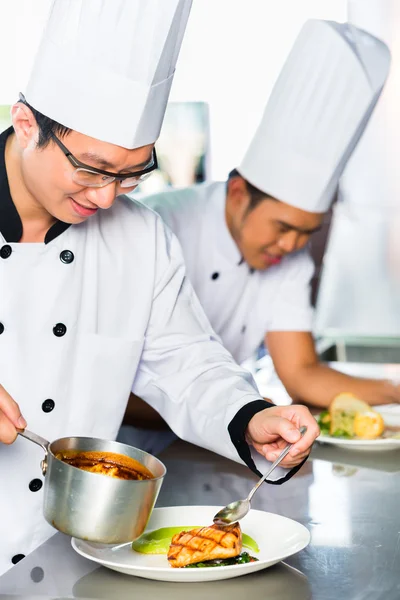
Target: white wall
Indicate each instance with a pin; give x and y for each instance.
(231, 55)
(360, 286)
(22, 22)
(230, 58)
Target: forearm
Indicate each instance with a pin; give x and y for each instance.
(318, 384)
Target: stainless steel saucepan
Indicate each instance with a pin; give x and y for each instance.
(92, 506)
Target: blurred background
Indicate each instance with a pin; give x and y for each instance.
(231, 56)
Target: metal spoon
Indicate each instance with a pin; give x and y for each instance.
(237, 510)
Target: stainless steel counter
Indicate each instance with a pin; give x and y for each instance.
(348, 500)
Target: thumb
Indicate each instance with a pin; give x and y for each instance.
(11, 409)
(279, 426)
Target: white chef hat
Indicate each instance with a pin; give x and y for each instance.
(105, 67)
(317, 112)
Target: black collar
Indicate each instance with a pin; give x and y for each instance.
(10, 222)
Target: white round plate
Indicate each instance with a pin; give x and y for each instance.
(379, 445)
(278, 537)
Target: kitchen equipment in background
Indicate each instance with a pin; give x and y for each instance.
(182, 148)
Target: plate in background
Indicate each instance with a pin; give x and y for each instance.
(378, 445)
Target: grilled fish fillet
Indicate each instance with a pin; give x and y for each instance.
(205, 543)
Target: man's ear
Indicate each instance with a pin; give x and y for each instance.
(25, 125)
(237, 195)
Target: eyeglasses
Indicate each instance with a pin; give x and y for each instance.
(88, 176)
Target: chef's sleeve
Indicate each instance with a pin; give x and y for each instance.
(187, 375)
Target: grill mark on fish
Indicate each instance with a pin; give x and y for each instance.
(205, 543)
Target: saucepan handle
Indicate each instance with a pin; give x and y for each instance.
(37, 439)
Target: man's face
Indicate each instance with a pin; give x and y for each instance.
(48, 174)
(270, 231)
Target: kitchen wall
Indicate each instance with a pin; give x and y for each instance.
(231, 55)
(360, 287)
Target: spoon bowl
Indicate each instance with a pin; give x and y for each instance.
(232, 512)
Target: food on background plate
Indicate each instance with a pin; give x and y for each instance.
(349, 417)
(369, 425)
(342, 411)
(110, 464)
(206, 545)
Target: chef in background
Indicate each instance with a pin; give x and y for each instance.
(245, 240)
(94, 300)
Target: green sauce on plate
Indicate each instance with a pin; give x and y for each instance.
(159, 540)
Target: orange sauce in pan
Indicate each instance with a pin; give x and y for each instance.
(111, 464)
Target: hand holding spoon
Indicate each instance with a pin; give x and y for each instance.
(237, 510)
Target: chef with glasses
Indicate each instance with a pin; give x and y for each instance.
(94, 300)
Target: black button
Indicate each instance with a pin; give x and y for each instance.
(1, 328)
(67, 256)
(37, 574)
(15, 559)
(35, 485)
(251, 270)
(5, 251)
(48, 405)
(215, 276)
(59, 330)
(244, 329)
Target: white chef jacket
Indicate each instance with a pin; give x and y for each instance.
(100, 308)
(241, 304)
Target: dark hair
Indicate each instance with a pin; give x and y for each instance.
(46, 125)
(256, 195)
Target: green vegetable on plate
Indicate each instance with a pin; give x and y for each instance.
(242, 559)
